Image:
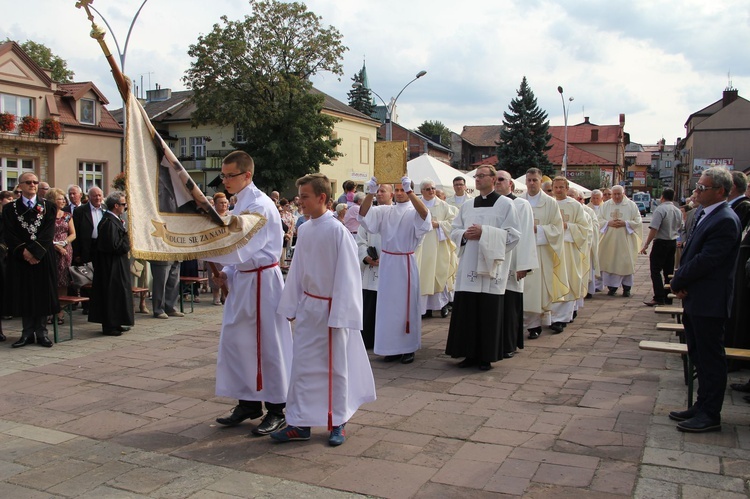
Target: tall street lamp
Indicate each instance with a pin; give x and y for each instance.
(389, 108)
(565, 117)
(124, 52)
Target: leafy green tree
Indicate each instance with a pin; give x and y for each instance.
(360, 97)
(254, 73)
(43, 56)
(524, 136)
(436, 129)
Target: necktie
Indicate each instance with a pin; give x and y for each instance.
(695, 224)
(31, 204)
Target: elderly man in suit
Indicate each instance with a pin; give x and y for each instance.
(86, 220)
(30, 289)
(704, 282)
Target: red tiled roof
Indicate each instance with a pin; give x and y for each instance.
(68, 95)
(492, 160)
(482, 135)
(581, 133)
(576, 156)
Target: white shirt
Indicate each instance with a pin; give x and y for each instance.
(96, 217)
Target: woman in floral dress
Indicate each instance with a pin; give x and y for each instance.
(65, 233)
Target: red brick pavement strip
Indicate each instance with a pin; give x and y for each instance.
(580, 414)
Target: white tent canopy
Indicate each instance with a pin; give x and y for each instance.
(426, 166)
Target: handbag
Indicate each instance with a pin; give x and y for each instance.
(81, 275)
(136, 268)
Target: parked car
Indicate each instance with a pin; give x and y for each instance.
(641, 207)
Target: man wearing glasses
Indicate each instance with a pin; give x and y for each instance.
(460, 196)
(705, 282)
(112, 300)
(29, 224)
(255, 348)
(436, 256)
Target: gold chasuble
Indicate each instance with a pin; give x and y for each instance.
(550, 282)
(436, 255)
(576, 245)
(618, 247)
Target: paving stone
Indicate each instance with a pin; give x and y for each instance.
(44, 435)
(95, 477)
(483, 452)
(379, 478)
(510, 485)
(51, 474)
(696, 492)
(563, 475)
(518, 468)
(443, 491)
(442, 424)
(684, 460)
(680, 476)
(8, 469)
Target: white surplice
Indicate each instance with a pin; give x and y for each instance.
(524, 255)
(400, 228)
(364, 240)
(324, 290)
(237, 362)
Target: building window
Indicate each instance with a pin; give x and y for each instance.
(198, 147)
(88, 112)
(18, 106)
(12, 168)
(183, 147)
(364, 151)
(239, 135)
(90, 175)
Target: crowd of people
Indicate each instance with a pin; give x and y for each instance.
(364, 271)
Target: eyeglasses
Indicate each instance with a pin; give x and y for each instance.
(482, 175)
(224, 176)
(701, 187)
(501, 179)
(30, 182)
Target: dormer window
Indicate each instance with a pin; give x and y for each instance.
(88, 112)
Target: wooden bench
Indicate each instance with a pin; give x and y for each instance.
(681, 349)
(66, 305)
(670, 326)
(190, 281)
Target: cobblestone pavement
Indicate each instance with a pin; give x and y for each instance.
(580, 414)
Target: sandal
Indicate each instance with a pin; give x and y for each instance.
(60, 321)
(49, 320)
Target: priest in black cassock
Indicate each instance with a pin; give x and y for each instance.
(30, 287)
(485, 229)
(112, 298)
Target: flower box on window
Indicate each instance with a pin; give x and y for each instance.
(29, 125)
(7, 122)
(51, 129)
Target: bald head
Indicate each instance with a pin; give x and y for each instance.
(503, 183)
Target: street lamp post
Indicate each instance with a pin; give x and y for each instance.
(565, 117)
(389, 108)
(124, 52)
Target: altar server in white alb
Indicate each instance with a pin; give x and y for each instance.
(331, 375)
(398, 322)
(369, 260)
(255, 347)
(486, 230)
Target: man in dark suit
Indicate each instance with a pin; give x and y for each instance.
(86, 219)
(704, 282)
(30, 286)
(74, 198)
(112, 302)
(737, 200)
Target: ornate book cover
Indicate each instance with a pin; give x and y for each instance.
(390, 161)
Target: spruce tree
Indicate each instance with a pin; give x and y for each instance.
(524, 136)
(360, 97)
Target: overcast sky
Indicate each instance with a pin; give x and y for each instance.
(656, 62)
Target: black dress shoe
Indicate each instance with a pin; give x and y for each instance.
(2, 336)
(25, 340)
(407, 358)
(557, 327)
(427, 315)
(112, 332)
(508, 355)
(44, 341)
(270, 424)
(700, 424)
(575, 314)
(123, 329)
(239, 414)
(626, 293)
(740, 387)
(467, 362)
(612, 292)
(683, 415)
(392, 358)
(444, 312)
(485, 366)
(534, 333)
(588, 295)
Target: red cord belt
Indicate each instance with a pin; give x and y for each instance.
(259, 270)
(330, 360)
(408, 283)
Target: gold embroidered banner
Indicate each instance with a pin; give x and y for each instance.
(169, 217)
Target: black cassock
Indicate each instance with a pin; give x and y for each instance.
(30, 290)
(111, 298)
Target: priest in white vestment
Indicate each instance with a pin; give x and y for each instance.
(591, 264)
(575, 239)
(398, 321)
(331, 375)
(595, 204)
(485, 231)
(460, 196)
(550, 283)
(369, 249)
(255, 347)
(436, 255)
(620, 222)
